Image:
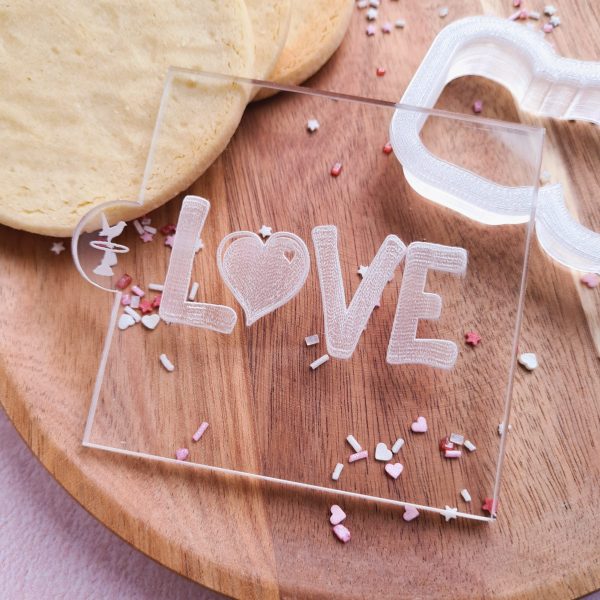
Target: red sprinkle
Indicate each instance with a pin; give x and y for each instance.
(446, 444)
(523, 15)
(146, 306)
(488, 505)
(336, 169)
(380, 71)
(156, 301)
(387, 149)
(472, 338)
(123, 281)
(167, 229)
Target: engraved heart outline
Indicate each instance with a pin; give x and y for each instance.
(289, 242)
(542, 83)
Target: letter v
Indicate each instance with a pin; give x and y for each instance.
(174, 306)
(344, 325)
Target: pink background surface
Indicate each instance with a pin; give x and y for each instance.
(50, 547)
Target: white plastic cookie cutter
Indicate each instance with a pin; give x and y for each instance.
(542, 83)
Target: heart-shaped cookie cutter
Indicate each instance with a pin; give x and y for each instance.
(542, 83)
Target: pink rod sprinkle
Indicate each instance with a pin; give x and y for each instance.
(452, 453)
(477, 106)
(358, 456)
(138, 291)
(342, 533)
(200, 431)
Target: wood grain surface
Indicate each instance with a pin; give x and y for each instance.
(249, 540)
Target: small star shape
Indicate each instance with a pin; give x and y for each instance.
(372, 14)
(170, 240)
(199, 245)
(449, 513)
(312, 125)
(265, 231)
(362, 270)
(371, 29)
(146, 237)
(488, 505)
(57, 247)
(591, 280)
(472, 338)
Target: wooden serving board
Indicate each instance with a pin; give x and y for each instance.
(246, 539)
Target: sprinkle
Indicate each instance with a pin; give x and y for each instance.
(397, 445)
(336, 169)
(312, 125)
(265, 231)
(203, 427)
(194, 291)
(358, 456)
(420, 425)
(446, 444)
(488, 505)
(591, 280)
(372, 14)
(146, 237)
(170, 240)
(311, 340)
(362, 3)
(355, 445)
(138, 291)
(547, 28)
(132, 314)
(151, 321)
(555, 21)
(319, 361)
(146, 221)
(125, 300)
(443, 12)
(166, 363)
(477, 106)
(337, 515)
(380, 71)
(382, 452)
(156, 287)
(545, 177)
(57, 248)
(516, 3)
(528, 360)
(150, 229)
(337, 471)
(138, 227)
(523, 14)
(549, 10)
(374, 3)
(386, 27)
(156, 301)
(501, 428)
(341, 533)
(123, 281)
(452, 453)
(362, 270)
(456, 438)
(146, 306)
(472, 338)
(135, 302)
(387, 149)
(465, 495)
(410, 513)
(168, 229)
(182, 454)
(125, 321)
(534, 14)
(400, 23)
(514, 16)
(371, 29)
(470, 446)
(449, 513)
(394, 470)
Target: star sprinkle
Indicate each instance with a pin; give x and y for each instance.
(146, 237)
(372, 14)
(386, 28)
(591, 280)
(199, 245)
(449, 513)
(170, 240)
(472, 338)
(57, 247)
(265, 231)
(371, 29)
(362, 270)
(488, 505)
(312, 125)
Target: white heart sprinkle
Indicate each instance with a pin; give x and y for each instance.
(528, 360)
(150, 321)
(382, 453)
(125, 321)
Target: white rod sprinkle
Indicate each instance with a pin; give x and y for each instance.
(132, 314)
(355, 445)
(319, 361)
(337, 471)
(194, 290)
(156, 287)
(166, 363)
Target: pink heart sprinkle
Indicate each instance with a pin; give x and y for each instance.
(337, 515)
(420, 425)
(410, 513)
(394, 469)
(591, 280)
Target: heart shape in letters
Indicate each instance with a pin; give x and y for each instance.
(263, 275)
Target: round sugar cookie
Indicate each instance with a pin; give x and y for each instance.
(270, 22)
(317, 28)
(81, 86)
